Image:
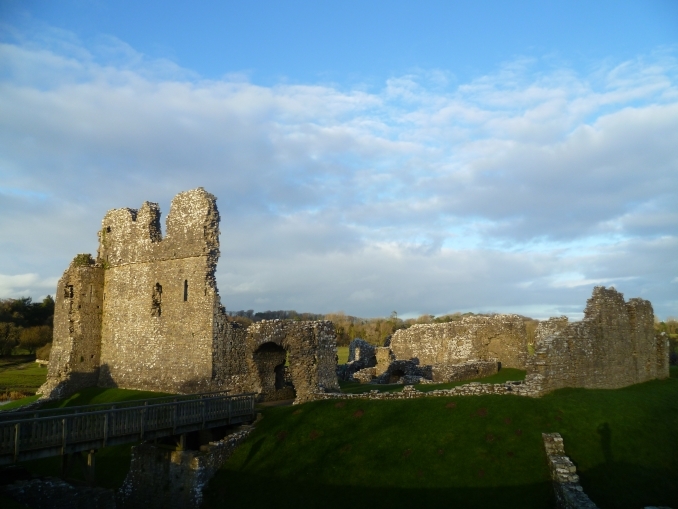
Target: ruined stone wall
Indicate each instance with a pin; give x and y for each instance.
(311, 349)
(146, 315)
(160, 295)
(501, 337)
(75, 355)
(613, 346)
(443, 373)
(159, 477)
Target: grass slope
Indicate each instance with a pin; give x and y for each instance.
(483, 451)
(21, 373)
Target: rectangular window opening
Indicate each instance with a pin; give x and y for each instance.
(185, 290)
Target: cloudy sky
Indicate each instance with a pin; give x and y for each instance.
(422, 157)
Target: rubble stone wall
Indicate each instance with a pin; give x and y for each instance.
(613, 346)
(568, 492)
(159, 477)
(160, 295)
(501, 337)
(76, 347)
(311, 349)
(443, 373)
(147, 315)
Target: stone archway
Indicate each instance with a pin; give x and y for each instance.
(274, 381)
(395, 376)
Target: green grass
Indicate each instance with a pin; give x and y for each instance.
(21, 373)
(504, 375)
(483, 451)
(342, 352)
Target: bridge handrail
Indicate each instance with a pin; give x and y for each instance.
(47, 432)
(115, 410)
(61, 411)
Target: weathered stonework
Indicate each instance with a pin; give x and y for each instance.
(501, 338)
(361, 355)
(613, 346)
(160, 477)
(147, 315)
(76, 351)
(568, 492)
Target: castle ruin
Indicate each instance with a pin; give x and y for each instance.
(612, 347)
(146, 314)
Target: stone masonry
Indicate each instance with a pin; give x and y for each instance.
(500, 338)
(613, 346)
(567, 490)
(146, 314)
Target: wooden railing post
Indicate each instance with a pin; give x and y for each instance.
(105, 428)
(174, 417)
(143, 418)
(64, 432)
(17, 438)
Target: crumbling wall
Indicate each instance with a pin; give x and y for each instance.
(443, 373)
(613, 346)
(361, 355)
(75, 355)
(311, 349)
(146, 315)
(160, 477)
(160, 295)
(500, 337)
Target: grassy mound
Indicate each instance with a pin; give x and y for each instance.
(483, 451)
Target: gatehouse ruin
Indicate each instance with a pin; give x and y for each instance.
(146, 314)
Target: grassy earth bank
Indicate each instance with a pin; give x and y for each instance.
(483, 451)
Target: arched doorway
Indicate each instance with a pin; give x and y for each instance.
(395, 376)
(270, 359)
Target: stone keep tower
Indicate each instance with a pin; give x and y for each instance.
(142, 314)
(146, 314)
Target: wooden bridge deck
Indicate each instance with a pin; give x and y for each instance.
(43, 433)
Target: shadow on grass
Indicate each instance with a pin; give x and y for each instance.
(615, 484)
(259, 492)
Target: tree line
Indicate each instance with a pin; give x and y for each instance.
(25, 324)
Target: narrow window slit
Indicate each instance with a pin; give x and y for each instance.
(157, 300)
(185, 290)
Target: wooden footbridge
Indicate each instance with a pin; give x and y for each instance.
(64, 431)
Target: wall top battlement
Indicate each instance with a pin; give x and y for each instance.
(134, 236)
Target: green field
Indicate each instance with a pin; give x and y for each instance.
(483, 451)
(21, 373)
(342, 352)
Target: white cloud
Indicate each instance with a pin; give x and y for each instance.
(419, 196)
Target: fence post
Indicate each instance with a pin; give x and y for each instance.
(143, 418)
(105, 428)
(17, 437)
(174, 417)
(64, 432)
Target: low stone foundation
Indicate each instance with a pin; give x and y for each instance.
(472, 389)
(568, 491)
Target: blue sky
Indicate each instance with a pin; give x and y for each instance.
(421, 157)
